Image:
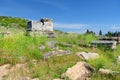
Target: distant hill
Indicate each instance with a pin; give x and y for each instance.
(9, 22)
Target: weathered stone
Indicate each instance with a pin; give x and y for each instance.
(36, 79)
(4, 70)
(24, 78)
(108, 43)
(118, 59)
(56, 53)
(9, 72)
(87, 56)
(47, 55)
(5, 33)
(51, 35)
(61, 52)
(51, 44)
(107, 71)
(41, 47)
(43, 25)
(80, 71)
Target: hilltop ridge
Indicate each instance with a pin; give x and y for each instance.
(8, 21)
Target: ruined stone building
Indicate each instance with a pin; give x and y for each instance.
(44, 26)
(110, 44)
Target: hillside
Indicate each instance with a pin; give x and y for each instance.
(12, 25)
(41, 58)
(11, 21)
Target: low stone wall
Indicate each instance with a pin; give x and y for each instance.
(111, 44)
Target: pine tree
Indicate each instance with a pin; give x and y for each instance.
(100, 33)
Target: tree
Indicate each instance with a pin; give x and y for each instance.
(87, 31)
(90, 32)
(100, 33)
(109, 34)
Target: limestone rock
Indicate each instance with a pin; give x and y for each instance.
(51, 44)
(80, 71)
(24, 78)
(41, 47)
(118, 59)
(107, 71)
(44, 25)
(9, 72)
(56, 53)
(61, 52)
(87, 56)
(36, 79)
(47, 55)
(4, 70)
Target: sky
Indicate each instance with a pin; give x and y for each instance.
(68, 15)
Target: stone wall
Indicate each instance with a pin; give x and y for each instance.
(44, 26)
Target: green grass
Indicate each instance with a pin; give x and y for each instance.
(8, 22)
(19, 46)
(23, 49)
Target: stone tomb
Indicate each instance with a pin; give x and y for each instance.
(42, 27)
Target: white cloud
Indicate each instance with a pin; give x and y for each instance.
(115, 27)
(70, 26)
(81, 28)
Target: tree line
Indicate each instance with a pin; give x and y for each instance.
(108, 34)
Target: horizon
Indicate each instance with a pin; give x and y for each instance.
(69, 16)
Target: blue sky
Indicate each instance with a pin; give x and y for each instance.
(68, 15)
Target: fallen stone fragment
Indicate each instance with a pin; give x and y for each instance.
(51, 44)
(87, 56)
(80, 71)
(107, 71)
(56, 53)
(118, 59)
(41, 47)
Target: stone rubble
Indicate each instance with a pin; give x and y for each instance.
(56, 53)
(87, 56)
(118, 59)
(80, 71)
(107, 71)
(51, 44)
(12, 72)
(41, 47)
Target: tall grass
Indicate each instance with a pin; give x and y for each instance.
(21, 46)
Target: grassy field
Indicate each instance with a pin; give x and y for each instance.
(23, 49)
(20, 49)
